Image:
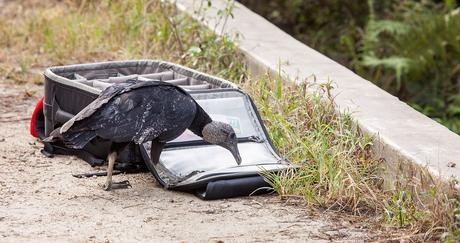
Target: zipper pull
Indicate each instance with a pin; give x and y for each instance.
(256, 139)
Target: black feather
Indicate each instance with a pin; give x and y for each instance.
(135, 111)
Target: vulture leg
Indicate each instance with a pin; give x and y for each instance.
(109, 184)
(155, 151)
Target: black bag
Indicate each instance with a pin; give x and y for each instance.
(183, 164)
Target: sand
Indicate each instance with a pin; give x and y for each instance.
(41, 201)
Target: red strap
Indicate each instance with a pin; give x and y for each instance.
(38, 109)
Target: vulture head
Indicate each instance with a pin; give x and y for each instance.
(222, 134)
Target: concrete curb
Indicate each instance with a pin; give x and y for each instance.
(402, 133)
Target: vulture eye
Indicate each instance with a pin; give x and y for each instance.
(232, 136)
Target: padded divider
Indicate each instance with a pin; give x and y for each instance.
(98, 74)
(195, 81)
(104, 70)
(179, 81)
(114, 72)
(196, 87)
(104, 83)
(78, 77)
(157, 76)
(178, 76)
(163, 76)
(100, 85)
(119, 79)
(85, 82)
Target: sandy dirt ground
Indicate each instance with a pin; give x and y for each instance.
(41, 201)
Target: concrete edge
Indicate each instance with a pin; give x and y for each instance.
(402, 135)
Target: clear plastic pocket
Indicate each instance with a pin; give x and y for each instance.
(189, 156)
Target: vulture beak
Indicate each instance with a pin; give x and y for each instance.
(233, 148)
(236, 154)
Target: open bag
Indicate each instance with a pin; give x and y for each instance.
(186, 163)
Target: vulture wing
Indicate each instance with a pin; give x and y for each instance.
(135, 111)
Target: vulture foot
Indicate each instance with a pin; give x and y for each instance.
(117, 185)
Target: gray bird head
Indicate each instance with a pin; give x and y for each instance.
(222, 134)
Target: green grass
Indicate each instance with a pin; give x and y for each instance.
(336, 168)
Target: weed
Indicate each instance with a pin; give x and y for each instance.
(336, 168)
(398, 208)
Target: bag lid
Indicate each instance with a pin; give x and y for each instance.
(188, 163)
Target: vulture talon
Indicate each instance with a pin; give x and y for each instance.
(117, 185)
(121, 185)
(107, 187)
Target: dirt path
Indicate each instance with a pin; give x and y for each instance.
(40, 200)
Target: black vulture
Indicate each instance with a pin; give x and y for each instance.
(140, 111)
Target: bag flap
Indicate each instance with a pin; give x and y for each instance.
(189, 163)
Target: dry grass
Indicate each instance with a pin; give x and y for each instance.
(38, 34)
(337, 171)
